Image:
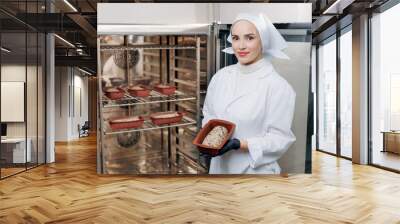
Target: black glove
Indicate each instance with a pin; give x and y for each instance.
(231, 144)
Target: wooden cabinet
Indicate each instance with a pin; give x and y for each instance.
(391, 142)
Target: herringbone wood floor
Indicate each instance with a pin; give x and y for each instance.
(70, 191)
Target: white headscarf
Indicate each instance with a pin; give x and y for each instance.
(271, 40)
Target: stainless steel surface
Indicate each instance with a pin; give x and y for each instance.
(154, 30)
(144, 46)
(164, 149)
(198, 57)
(129, 139)
(100, 157)
(148, 125)
(121, 60)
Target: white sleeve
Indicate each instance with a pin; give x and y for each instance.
(208, 107)
(278, 135)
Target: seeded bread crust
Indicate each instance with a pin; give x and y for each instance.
(215, 137)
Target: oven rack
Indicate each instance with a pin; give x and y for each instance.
(154, 97)
(144, 46)
(148, 125)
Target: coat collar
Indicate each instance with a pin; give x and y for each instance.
(260, 69)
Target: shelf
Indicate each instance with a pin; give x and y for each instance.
(151, 54)
(184, 82)
(148, 125)
(144, 46)
(156, 75)
(155, 97)
(151, 64)
(184, 59)
(190, 130)
(184, 70)
(188, 71)
(186, 107)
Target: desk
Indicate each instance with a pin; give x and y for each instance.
(391, 141)
(16, 147)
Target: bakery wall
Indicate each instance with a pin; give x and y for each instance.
(71, 102)
(297, 72)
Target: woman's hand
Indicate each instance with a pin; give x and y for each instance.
(231, 144)
(243, 146)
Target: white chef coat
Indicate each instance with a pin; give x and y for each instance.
(261, 104)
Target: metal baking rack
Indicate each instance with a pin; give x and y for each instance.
(148, 125)
(144, 46)
(154, 97)
(163, 62)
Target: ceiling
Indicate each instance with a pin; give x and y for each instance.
(76, 21)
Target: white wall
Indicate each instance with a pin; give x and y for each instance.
(314, 91)
(138, 13)
(198, 13)
(297, 72)
(81, 84)
(62, 80)
(67, 116)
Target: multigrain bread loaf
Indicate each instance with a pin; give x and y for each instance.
(215, 137)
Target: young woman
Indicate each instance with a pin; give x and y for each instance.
(255, 97)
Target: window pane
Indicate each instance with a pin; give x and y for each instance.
(14, 153)
(386, 89)
(346, 94)
(327, 97)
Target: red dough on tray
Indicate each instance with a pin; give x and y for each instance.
(126, 122)
(138, 91)
(166, 117)
(114, 93)
(165, 89)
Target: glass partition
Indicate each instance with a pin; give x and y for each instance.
(22, 64)
(13, 92)
(385, 89)
(346, 94)
(327, 96)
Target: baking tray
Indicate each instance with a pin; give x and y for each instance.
(206, 129)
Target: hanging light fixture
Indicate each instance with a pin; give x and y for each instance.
(70, 5)
(64, 40)
(5, 50)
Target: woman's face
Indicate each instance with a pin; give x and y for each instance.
(246, 42)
